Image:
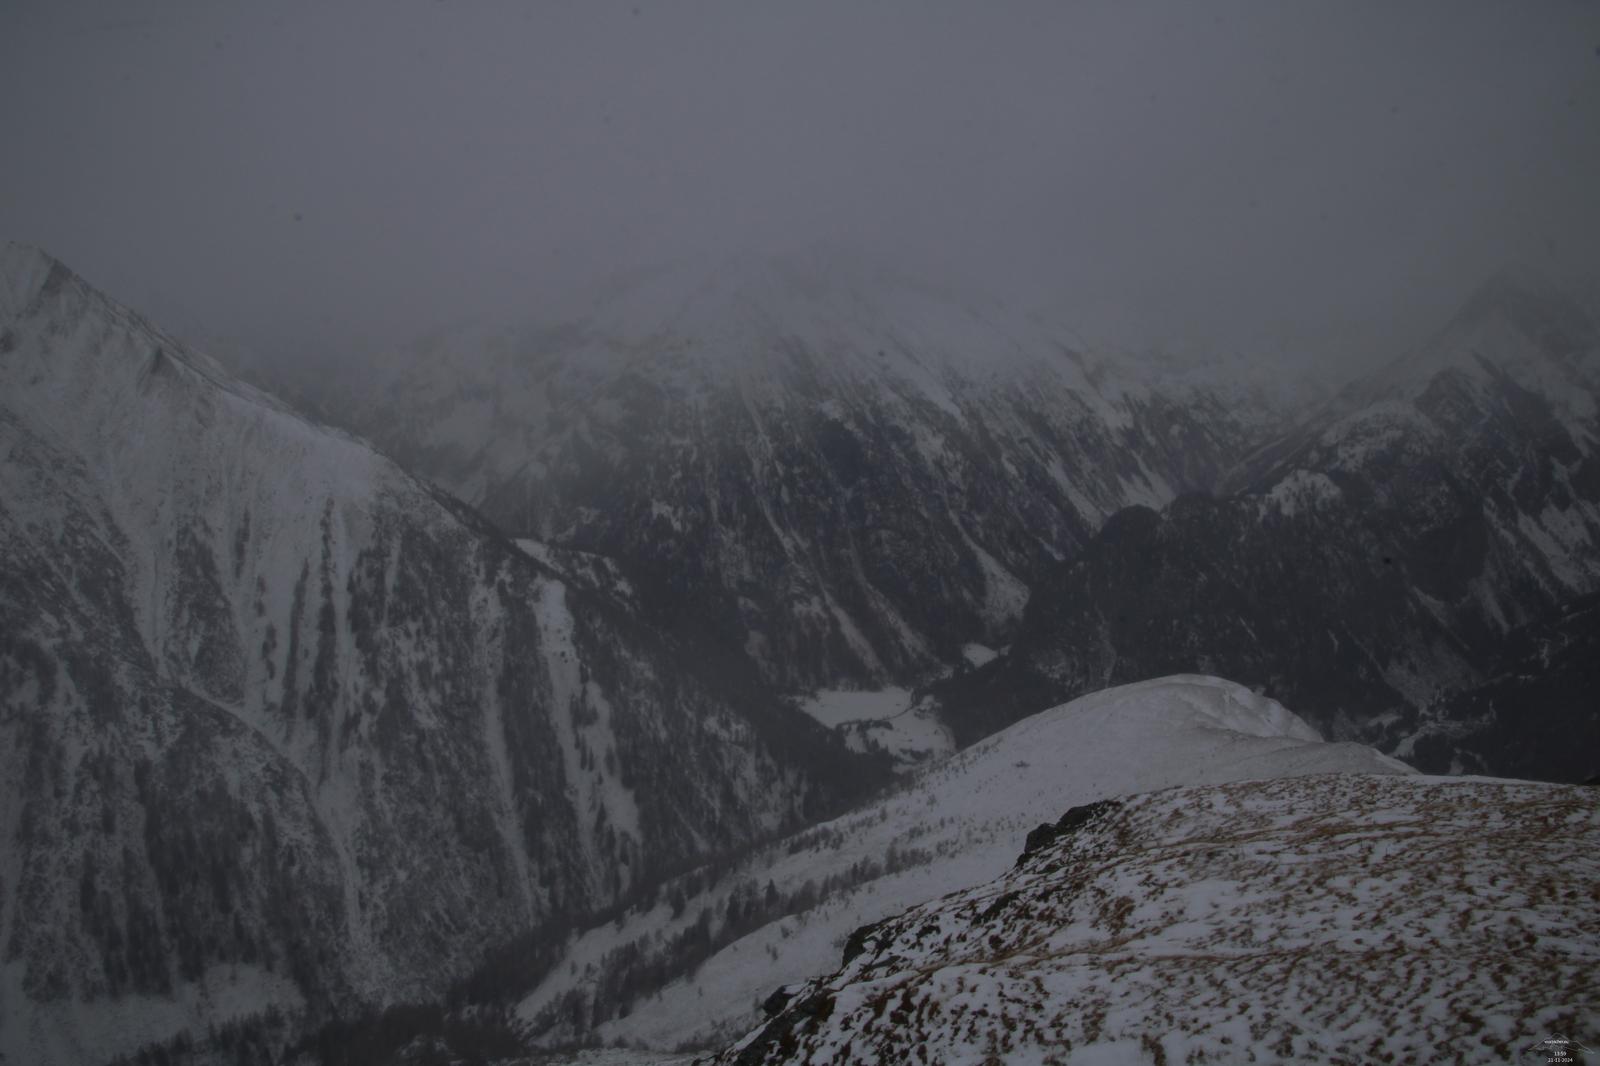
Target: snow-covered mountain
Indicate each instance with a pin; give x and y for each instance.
(282, 727)
(842, 475)
(690, 969)
(1374, 562)
(1342, 919)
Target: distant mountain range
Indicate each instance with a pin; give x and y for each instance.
(1372, 568)
(838, 474)
(844, 478)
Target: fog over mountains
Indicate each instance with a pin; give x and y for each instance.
(628, 534)
(840, 474)
(843, 477)
(509, 722)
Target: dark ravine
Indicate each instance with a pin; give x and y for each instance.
(1536, 713)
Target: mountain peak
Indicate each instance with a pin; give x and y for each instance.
(39, 294)
(25, 270)
(737, 305)
(1517, 321)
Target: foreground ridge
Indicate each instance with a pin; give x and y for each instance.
(1340, 919)
(957, 825)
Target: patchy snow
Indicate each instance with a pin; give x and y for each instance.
(1302, 490)
(1360, 438)
(851, 632)
(582, 719)
(1559, 537)
(911, 738)
(1004, 594)
(1346, 918)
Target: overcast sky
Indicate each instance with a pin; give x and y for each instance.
(1197, 175)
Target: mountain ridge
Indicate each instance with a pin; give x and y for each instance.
(1374, 561)
(843, 477)
(239, 645)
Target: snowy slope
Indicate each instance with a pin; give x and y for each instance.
(954, 826)
(1342, 919)
(842, 475)
(243, 658)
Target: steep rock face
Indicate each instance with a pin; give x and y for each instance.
(842, 475)
(1340, 919)
(279, 725)
(1374, 563)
